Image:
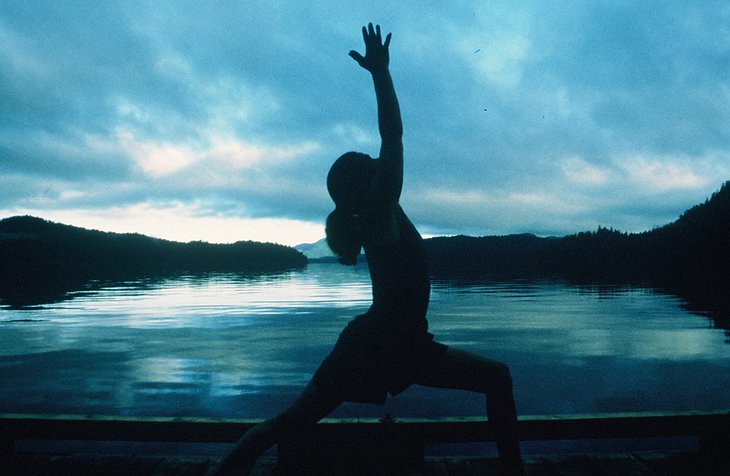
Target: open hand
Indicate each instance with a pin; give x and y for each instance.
(376, 51)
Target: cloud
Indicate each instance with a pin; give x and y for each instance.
(580, 172)
(520, 117)
(156, 160)
(658, 175)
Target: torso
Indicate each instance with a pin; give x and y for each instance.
(400, 279)
(386, 349)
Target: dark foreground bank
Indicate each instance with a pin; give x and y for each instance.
(690, 443)
(685, 463)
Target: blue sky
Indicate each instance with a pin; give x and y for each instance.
(218, 120)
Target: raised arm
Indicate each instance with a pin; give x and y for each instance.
(388, 182)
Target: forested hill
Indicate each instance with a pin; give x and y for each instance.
(30, 245)
(692, 252)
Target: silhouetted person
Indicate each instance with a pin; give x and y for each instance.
(388, 348)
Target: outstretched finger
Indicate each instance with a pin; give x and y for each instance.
(356, 56)
(387, 40)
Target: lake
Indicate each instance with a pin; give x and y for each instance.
(232, 345)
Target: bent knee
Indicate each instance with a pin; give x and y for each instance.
(503, 373)
(497, 376)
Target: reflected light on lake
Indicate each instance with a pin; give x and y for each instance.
(243, 346)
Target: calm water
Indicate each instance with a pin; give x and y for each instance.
(237, 346)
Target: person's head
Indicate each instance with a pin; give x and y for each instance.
(348, 183)
(349, 179)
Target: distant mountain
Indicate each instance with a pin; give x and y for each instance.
(30, 245)
(319, 251)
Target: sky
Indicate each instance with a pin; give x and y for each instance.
(218, 120)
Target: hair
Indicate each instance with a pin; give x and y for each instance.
(344, 235)
(348, 182)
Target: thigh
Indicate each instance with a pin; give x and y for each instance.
(310, 406)
(463, 370)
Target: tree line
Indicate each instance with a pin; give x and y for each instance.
(30, 245)
(691, 254)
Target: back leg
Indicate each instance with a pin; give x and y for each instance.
(462, 370)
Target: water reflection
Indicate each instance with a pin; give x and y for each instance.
(295, 289)
(224, 344)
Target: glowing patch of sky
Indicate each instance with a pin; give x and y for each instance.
(180, 222)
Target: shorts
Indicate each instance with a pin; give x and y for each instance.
(370, 361)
